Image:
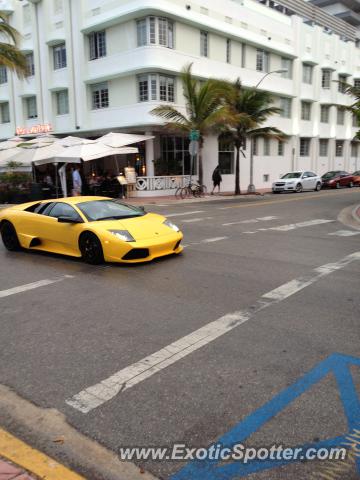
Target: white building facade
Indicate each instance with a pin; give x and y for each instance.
(96, 66)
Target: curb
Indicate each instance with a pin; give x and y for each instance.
(356, 213)
(33, 461)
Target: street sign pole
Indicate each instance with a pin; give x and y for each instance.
(193, 150)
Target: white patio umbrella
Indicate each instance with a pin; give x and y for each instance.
(117, 140)
(72, 141)
(41, 139)
(87, 152)
(7, 155)
(37, 154)
(10, 143)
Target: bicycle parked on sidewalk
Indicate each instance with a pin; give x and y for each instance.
(191, 190)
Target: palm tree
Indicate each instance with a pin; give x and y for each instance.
(204, 110)
(354, 92)
(10, 56)
(247, 110)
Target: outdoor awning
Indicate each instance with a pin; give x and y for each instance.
(117, 140)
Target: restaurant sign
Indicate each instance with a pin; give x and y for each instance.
(35, 129)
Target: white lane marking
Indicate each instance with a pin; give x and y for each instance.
(193, 220)
(344, 233)
(253, 220)
(294, 226)
(96, 395)
(215, 239)
(32, 286)
(182, 214)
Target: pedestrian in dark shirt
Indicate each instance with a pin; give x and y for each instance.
(217, 179)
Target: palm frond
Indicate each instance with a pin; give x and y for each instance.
(7, 30)
(12, 58)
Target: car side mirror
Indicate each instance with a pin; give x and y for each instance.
(64, 219)
(142, 208)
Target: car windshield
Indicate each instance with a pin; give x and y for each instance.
(330, 175)
(357, 173)
(97, 210)
(292, 175)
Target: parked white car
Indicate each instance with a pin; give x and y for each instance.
(297, 182)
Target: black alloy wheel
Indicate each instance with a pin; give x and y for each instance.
(91, 249)
(9, 237)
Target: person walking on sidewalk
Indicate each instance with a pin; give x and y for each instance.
(217, 179)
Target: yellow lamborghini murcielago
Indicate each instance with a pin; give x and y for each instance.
(97, 229)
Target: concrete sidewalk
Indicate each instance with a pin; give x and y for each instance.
(171, 199)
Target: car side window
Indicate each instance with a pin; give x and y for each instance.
(311, 174)
(305, 175)
(63, 210)
(44, 208)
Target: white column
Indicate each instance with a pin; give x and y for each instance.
(149, 156)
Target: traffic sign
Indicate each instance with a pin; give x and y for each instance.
(194, 135)
(193, 148)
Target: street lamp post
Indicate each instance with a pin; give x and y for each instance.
(251, 187)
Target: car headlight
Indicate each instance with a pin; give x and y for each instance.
(172, 225)
(123, 235)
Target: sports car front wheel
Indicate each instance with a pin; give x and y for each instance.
(9, 237)
(91, 249)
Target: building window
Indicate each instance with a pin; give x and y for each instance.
(304, 147)
(286, 64)
(100, 96)
(226, 156)
(156, 87)
(326, 79)
(228, 50)
(342, 83)
(305, 110)
(281, 148)
(340, 116)
(262, 60)
(30, 66)
(354, 149)
(324, 113)
(355, 121)
(357, 83)
(285, 107)
(31, 107)
(243, 55)
(3, 74)
(339, 148)
(255, 146)
(266, 147)
(204, 44)
(175, 157)
(62, 102)
(307, 73)
(97, 44)
(4, 112)
(155, 31)
(323, 147)
(59, 53)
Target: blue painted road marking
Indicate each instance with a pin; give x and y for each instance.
(337, 364)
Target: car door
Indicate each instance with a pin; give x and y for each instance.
(344, 179)
(56, 236)
(307, 181)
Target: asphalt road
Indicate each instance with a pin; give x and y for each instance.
(60, 339)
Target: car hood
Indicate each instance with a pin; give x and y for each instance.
(141, 228)
(287, 180)
(326, 180)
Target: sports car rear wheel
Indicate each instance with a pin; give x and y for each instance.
(9, 237)
(91, 249)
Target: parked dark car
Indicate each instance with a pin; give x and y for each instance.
(356, 176)
(337, 179)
